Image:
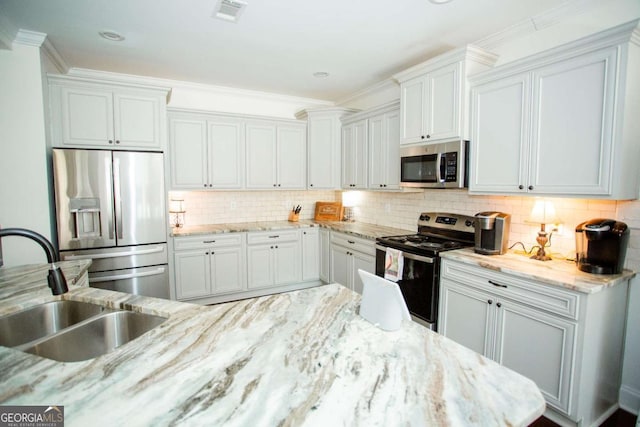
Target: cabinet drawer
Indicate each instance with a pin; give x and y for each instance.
(208, 241)
(279, 236)
(355, 243)
(534, 294)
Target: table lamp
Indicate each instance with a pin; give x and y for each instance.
(543, 213)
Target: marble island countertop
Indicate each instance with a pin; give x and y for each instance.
(297, 358)
(556, 272)
(359, 229)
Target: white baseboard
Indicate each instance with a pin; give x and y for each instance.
(629, 399)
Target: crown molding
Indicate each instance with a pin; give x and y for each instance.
(7, 33)
(377, 87)
(30, 38)
(54, 56)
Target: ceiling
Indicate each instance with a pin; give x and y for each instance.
(276, 45)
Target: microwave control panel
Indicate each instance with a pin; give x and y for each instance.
(450, 166)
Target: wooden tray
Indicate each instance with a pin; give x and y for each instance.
(328, 211)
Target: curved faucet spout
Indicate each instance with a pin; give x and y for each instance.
(56, 279)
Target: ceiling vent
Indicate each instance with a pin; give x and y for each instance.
(230, 10)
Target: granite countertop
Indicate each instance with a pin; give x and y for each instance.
(555, 272)
(297, 358)
(358, 229)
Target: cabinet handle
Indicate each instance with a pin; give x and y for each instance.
(530, 187)
(208, 241)
(520, 187)
(490, 301)
(275, 236)
(499, 304)
(351, 241)
(497, 284)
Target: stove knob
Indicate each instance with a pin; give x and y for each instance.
(468, 223)
(424, 217)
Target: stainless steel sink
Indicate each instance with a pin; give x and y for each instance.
(95, 337)
(44, 319)
(71, 331)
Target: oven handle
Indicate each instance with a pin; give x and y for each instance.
(408, 255)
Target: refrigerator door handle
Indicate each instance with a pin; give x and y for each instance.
(159, 270)
(153, 250)
(117, 196)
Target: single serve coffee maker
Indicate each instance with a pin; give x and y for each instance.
(492, 232)
(601, 246)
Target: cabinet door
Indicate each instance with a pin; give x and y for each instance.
(260, 263)
(413, 94)
(354, 152)
(288, 262)
(310, 254)
(261, 156)
(572, 125)
(499, 134)
(291, 157)
(226, 151)
(136, 121)
(325, 255)
(188, 145)
(443, 102)
(87, 117)
(467, 316)
(323, 160)
(384, 151)
(540, 347)
(227, 270)
(341, 266)
(193, 274)
(364, 262)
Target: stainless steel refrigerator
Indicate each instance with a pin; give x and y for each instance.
(110, 208)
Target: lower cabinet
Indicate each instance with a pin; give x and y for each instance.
(310, 254)
(347, 255)
(209, 264)
(273, 258)
(569, 343)
(325, 255)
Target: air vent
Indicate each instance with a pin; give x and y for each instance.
(230, 10)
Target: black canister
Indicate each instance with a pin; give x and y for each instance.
(601, 246)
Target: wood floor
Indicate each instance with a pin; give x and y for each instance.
(620, 418)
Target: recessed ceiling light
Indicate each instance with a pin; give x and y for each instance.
(230, 10)
(111, 36)
(321, 74)
(439, 1)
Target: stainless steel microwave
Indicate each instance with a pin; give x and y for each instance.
(440, 165)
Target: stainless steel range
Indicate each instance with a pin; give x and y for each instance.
(437, 232)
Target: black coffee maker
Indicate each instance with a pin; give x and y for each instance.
(601, 246)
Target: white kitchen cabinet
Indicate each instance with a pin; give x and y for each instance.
(354, 155)
(325, 255)
(557, 123)
(310, 254)
(276, 155)
(348, 254)
(209, 265)
(273, 258)
(567, 341)
(433, 95)
(324, 146)
(206, 151)
(102, 115)
(384, 151)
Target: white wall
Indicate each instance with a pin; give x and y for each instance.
(24, 197)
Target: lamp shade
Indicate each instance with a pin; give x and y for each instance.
(543, 212)
(176, 206)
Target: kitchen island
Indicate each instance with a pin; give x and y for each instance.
(297, 358)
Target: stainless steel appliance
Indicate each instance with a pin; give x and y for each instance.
(110, 208)
(437, 232)
(601, 246)
(492, 232)
(442, 165)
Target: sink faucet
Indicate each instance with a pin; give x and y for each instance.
(57, 282)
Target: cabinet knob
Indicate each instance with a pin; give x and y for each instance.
(490, 301)
(310, 185)
(530, 187)
(206, 253)
(520, 187)
(206, 185)
(117, 141)
(422, 137)
(428, 136)
(276, 246)
(110, 141)
(274, 185)
(210, 185)
(499, 304)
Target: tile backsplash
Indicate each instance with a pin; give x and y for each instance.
(401, 210)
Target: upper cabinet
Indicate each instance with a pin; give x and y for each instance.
(354, 155)
(276, 155)
(206, 151)
(434, 95)
(86, 113)
(323, 146)
(562, 122)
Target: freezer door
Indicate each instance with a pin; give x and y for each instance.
(120, 258)
(138, 182)
(84, 198)
(148, 281)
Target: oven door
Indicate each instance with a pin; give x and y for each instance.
(419, 285)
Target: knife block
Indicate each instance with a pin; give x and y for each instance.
(294, 217)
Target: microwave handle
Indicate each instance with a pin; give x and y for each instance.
(439, 161)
